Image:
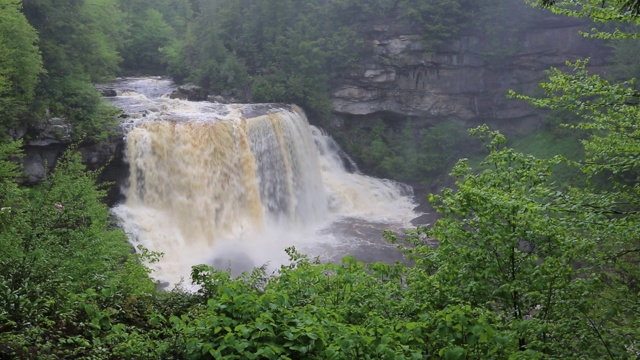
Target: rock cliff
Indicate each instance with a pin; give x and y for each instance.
(467, 78)
(46, 142)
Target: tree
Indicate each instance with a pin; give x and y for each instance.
(560, 264)
(51, 230)
(79, 42)
(77, 38)
(20, 63)
(288, 51)
(624, 65)
(66, 274)
(610, 115)
(509, 242)
(104, 30)
(149, 32)
(608, 12)
(631, 7)
(437, 19)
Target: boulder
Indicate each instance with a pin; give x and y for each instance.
(47, 141)
(189, 92)
(52, 131)
(106, 90)
(109, 93)
(39, 160)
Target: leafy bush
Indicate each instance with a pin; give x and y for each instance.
(56, 241)
(77, 101)
(330, 311)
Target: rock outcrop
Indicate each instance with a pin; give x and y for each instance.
(47, 141)
(189, 92)
(465, 80)
(43, 146)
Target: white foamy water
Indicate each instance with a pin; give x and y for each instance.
(234, 185)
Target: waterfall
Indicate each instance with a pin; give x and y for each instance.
(288, 171)
(233, 185)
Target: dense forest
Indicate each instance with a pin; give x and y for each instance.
(527, 266)
(259, 51)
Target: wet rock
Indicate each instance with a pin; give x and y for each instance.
(222, 99)
(52, 131)
(108, 92)
(163, 286)
(189, 92)
(39, 160)
(47, 141)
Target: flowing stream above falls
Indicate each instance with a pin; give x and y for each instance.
(233, 185)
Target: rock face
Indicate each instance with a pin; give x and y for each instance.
(43, 146)
(53, 131)
(463, 80)
(46, 142)
(189, 92)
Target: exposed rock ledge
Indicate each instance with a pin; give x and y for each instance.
(46, 142)
(459, 82)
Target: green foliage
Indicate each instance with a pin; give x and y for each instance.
(148, 34)
(512, 249)
(56, 226)
(20, 63)
(199, 56)
(56, 241)
(604, 210)
(602, 11)
(546, 144)
(631, 7)
(438, 20)
(610, 114)
(437, 146)
(77, 38)
(79, 42)
(69, 284)
(501, 24)
(610, 120)
(408, 153)
(175, 64)
(525, 268)
(77, 101)
(99, 45)
(332, 311)
(263, 59)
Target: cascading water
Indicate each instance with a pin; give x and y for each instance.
(233, 185)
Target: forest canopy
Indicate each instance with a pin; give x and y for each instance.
(261, 51)
(20, 62)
